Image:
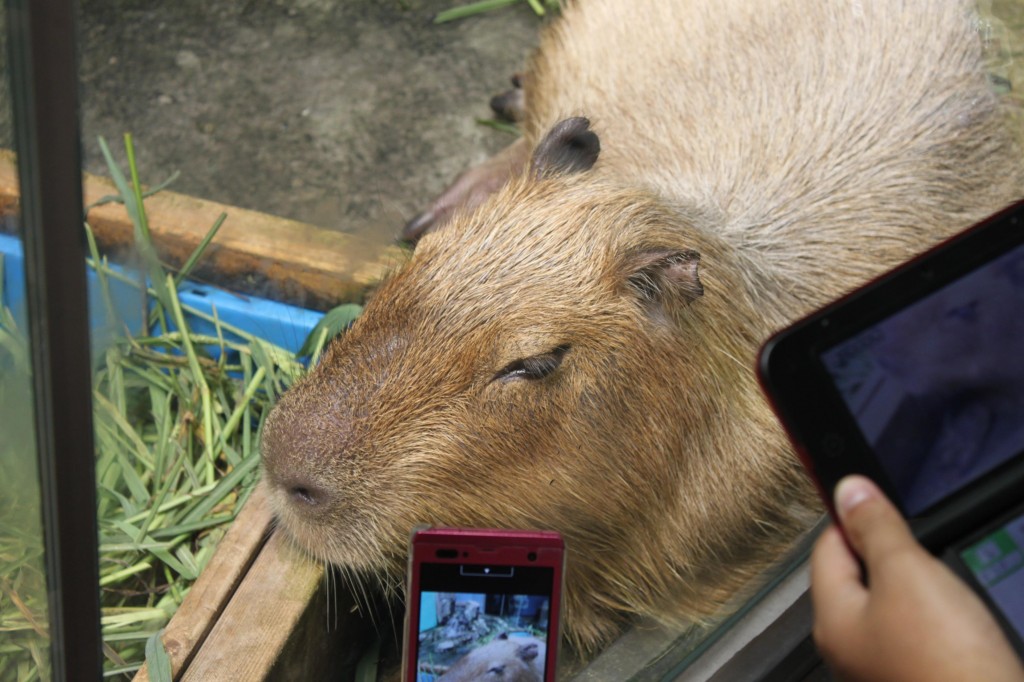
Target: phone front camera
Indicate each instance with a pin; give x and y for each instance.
(532, 556)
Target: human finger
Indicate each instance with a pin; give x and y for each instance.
(835, 573)
(873, 525)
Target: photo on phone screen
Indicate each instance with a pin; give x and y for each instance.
(505, 630)
(937, 389)
(477, 621)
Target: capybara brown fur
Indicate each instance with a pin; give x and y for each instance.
(503, 659)
(576, 353)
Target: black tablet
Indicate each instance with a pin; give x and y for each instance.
(916, 380)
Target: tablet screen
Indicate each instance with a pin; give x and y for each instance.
(937, 389)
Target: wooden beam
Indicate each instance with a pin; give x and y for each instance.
(260, 605)
(256, 625)
(254, 253)
(215, 587)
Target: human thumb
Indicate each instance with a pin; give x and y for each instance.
(872, 524)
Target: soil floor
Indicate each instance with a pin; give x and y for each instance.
(346, 114)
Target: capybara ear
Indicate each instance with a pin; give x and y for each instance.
(655, 275)
(528, 652)
(570, 147)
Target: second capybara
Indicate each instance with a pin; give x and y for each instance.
(575, 352)
(503, 659)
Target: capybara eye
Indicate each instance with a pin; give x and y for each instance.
(534, 367)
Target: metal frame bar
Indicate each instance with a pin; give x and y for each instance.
(44, 94)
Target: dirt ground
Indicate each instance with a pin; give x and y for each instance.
(347, 114)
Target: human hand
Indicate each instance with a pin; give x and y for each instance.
(916, 620)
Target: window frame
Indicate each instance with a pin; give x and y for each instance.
(42, 63)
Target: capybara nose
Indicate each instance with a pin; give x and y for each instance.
(305, 494)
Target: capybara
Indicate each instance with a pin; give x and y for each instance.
(576, 353)
(503, 659)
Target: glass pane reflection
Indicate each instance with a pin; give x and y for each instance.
(24, 642)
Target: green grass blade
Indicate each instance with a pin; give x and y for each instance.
(118, 576)
(116, 198)
(172, 563)
(132, 196)
(334, 322)
(471, 9)
(101, 276)
(182, 530)
(503, 126)
(243, 403)
(222, 489)
(158, 663)
(198, 377)
(199, 250)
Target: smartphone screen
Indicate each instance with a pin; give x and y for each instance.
(937, 389)
(994, 562)
(463, 607)
(474, 620)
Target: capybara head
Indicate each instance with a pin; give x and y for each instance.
(574, 356)
(503, 659)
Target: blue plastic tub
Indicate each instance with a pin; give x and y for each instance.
(280, 324)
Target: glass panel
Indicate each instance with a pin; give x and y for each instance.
(349, 116)
(24, 642)
(273, 108)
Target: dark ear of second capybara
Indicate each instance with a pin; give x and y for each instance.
(569, 147)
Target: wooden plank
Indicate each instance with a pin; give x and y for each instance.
(253, 253)
(327, 642)
(258, 611)
(257, 624)
(216, 586)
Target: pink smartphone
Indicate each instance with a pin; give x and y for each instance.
(483, 604)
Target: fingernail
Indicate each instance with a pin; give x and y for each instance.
(853, 490)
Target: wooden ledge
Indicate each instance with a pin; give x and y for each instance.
(259, 606)
(253, 253)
